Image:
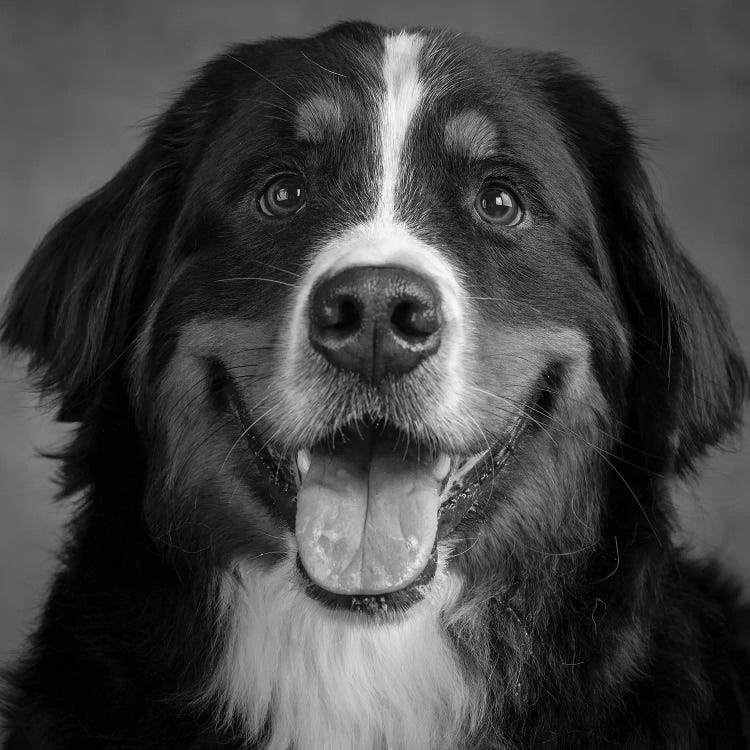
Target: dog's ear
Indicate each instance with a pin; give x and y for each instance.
(78, 301)
(73, 306)
(690, 382)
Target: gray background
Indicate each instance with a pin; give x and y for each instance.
(77, 78)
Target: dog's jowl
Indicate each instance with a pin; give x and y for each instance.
(383, 363)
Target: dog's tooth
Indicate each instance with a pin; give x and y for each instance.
(304, 459)
(441, 467)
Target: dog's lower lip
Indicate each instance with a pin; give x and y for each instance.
(380, 605)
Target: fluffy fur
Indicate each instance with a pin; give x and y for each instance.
(334, 684)
(168, 316)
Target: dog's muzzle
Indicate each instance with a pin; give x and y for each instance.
(367, 514)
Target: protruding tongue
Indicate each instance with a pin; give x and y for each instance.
(366, 517)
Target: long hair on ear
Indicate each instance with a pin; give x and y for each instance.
(76, 300)
(690, 378)
(77, 303)
(689, 382)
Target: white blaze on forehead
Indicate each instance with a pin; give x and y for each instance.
(385, 240)
(403, 92)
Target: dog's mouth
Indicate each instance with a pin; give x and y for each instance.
(371, 509)
(368, 507)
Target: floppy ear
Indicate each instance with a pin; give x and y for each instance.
(689, 382)
(77, 303)
(76, 300)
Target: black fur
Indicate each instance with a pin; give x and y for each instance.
(588, 632)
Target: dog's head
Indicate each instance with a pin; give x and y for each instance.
(392, 292)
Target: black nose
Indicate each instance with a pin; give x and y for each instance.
(375, 321)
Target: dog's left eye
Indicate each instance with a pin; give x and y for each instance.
(495, 204)
(283, 196)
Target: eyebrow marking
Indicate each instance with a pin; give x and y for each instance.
(470, 133)
(317, 117)
(403, 92)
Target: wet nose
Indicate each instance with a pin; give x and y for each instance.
(375, 321)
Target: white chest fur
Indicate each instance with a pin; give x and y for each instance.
(328, 682)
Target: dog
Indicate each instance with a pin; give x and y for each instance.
(382, 362)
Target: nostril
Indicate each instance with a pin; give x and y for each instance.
(412, 319)
(348, 318)
(335, 315)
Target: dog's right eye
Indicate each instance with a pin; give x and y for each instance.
(283, 196)
(495, 204)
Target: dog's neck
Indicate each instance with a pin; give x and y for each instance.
(310, 679)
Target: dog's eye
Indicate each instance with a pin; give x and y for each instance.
(497, 205)
(283, 196)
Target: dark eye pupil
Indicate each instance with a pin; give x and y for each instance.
(283, 197)
(497, 205)
(497, 202)
(288, 195)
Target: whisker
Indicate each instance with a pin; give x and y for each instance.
(464, 551)
(256, 278)
(274, 105)
(270, 552)
(181, 405)
(277, 268)
(510, 301)
(615, 422)
(206, 438)
(264, 77)
(322, 67)
(489, 451)
(617, 565)
(604, 455)
(547, 553)
(243, 434)
(520, 408)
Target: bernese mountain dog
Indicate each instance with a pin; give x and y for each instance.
(383, 363)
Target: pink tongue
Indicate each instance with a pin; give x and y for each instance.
(366, 517)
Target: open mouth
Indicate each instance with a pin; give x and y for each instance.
(368, 507)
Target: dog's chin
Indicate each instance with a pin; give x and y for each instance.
(369, 507)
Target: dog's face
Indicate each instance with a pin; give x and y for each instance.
(387, 287)
(392, 305)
